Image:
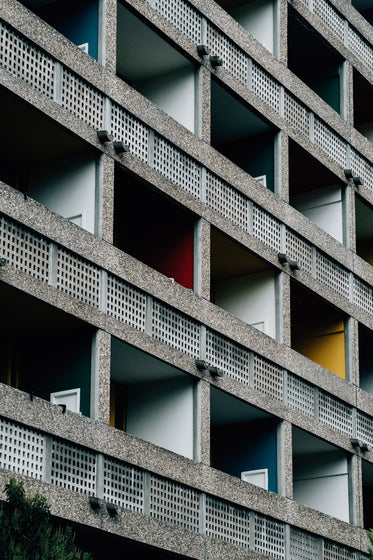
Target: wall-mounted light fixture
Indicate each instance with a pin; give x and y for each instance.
(203, 50)
(214, 371)
(358, 444)
(215, 61)
(348, 173)
(104, 136)
(293, 265)
(120, 147)
(95, 502)
(350, 176)
(112, 509)
(283, 259)
(201, 365)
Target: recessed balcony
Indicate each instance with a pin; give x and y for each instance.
(151, 399)
(320, 475)
(154, 68)
(258, 17)
(318, 330)
(314, 61)
(53, 166)
(243, 284)
(153, 228)
(78, 20)
(316, 192)
(243, 136)
(243, 440)
(45, 351)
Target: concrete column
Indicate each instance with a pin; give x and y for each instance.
(107, 197)
(352, 351)
(204, 251)
(202, 422)
(100, 376)
(355, 491)
(204, 109)
(281, 31)
(107, 42)
(285, 460)
(282, 166)
(283, 326)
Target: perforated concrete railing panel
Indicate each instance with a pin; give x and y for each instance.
(227, 522)
(123, 485)
(189, 21)
(22, 450)
(26, 62)
(31, 253)
(88, 104)
(269, 90)
(304, 546)
(174, 503)
(25, 451)
(31, 64)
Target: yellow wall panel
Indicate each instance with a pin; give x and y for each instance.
(327, 350)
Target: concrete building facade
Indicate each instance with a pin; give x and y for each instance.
(186, 281)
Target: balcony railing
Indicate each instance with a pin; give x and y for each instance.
(246, 70)
(32, 453)
(33, 254)
(37, 68)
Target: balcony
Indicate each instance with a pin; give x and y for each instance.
(316, 192)
(154, 68)
(154, 229)
(320, 475)
(364, 229)
(318, 330)
(50, 164)
(242, 136)
(243, 284)
(314, 61)
(151, 399)
(257, 17)
(45, 351)
(367, 489)
(243, 440)
(365, 359)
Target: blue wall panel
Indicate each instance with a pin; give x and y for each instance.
(246, 446)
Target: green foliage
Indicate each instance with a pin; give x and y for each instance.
(26, 530)
(370, 537)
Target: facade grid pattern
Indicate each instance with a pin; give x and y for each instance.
(73, 467)
(25, 250)
(52, 84)
(82, 100)
(234, 59)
